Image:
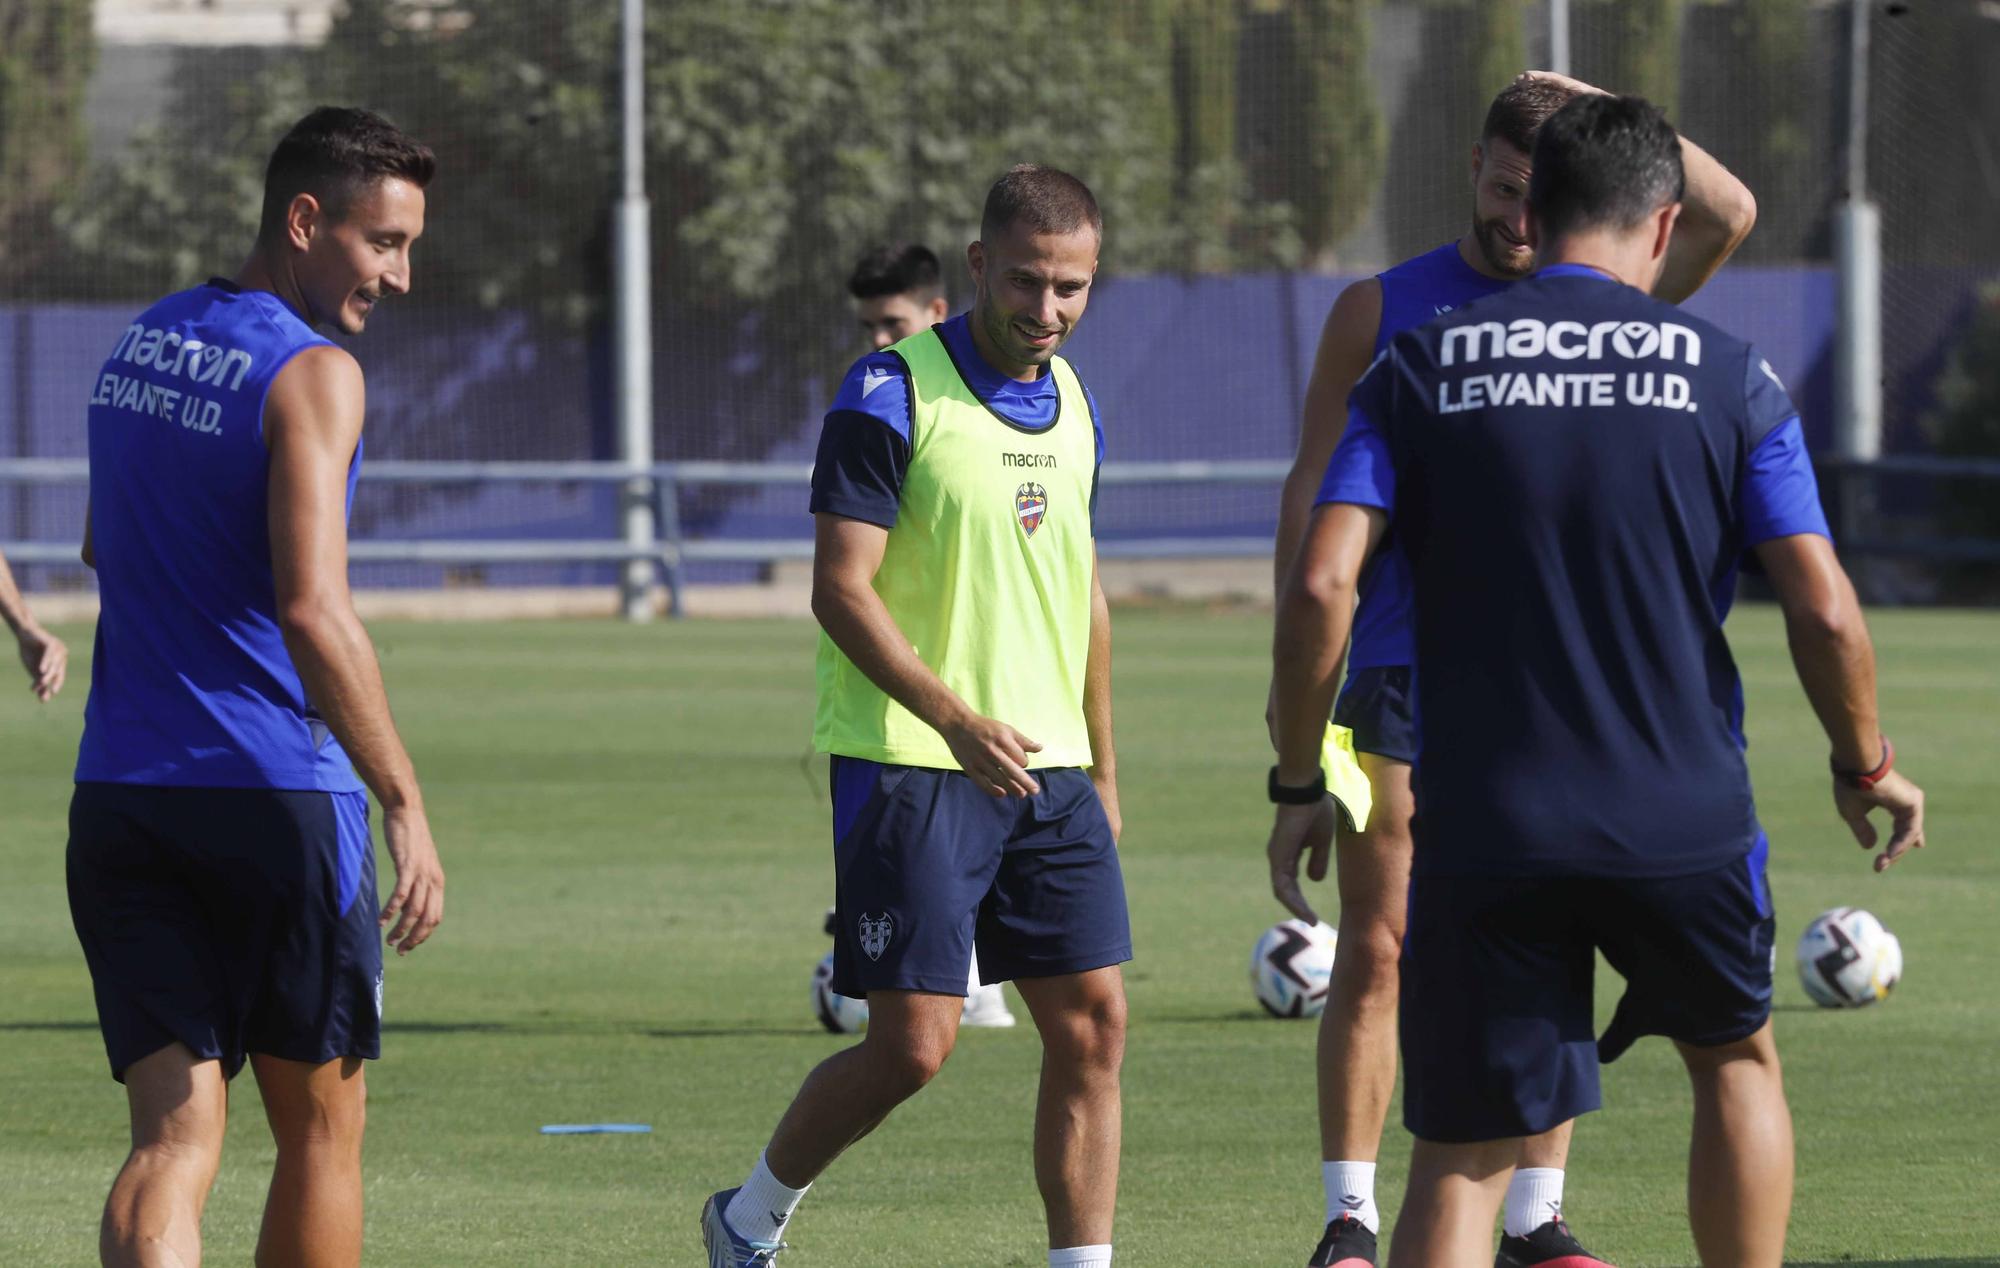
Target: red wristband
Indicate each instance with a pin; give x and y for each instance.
(1865, 780)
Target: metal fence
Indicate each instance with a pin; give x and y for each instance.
(1253, 156)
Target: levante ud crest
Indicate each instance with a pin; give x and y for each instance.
(1031, 504)
(875, 934)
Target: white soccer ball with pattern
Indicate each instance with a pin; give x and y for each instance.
(1847, 959)
(1291, 967)
(836, 1012)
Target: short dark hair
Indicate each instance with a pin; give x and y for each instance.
(331, 154)
(1604, 162)
(1519, 112)
(1045, 199)
(906, 268)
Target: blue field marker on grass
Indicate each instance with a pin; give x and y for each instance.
(595, 1129)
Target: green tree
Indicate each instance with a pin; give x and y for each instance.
(1778, 152)
(46, 54)
(1635, 48)
(784, 137)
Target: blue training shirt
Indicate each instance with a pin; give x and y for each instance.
(1575, 469)
(864, 444)
(190, 681)
(1414, 292)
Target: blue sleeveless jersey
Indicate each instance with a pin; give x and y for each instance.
(1413, 293)
(191, 683)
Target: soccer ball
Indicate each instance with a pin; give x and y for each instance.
(838, 1013)
(1847, 959)
(1290, 967)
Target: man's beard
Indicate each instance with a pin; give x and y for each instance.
(1498, 251)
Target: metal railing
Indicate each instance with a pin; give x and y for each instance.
(672, 550)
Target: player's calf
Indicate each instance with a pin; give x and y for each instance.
(1740, 1166)
(179, 1108)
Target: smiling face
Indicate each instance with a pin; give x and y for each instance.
(1032, 289)
(349, 257)
(1500, 174)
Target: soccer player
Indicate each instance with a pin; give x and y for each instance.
(221, 876)
(898, 291)
(1574, 469)
(42, 653)
(1357, 1037)
(965, 697)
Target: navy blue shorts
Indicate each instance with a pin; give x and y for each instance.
(232, 920)
(1379, 705)
(925, 865)
(1496, 1014)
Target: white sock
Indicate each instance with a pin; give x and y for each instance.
(1081, 1257)
(972, 977)
(1350, 1190)
(1534, 1197)
(761, 1207)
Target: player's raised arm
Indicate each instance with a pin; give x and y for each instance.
(846, 555)
(1346, 346)
(1717, 214)
(312, 425)
(1836, 665)
(1717, 211)
(42, 653)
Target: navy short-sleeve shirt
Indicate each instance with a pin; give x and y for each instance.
(1574, 470)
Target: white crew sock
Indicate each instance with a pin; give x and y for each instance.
(972, 977)
(761, 1207)
(1350, 1190)
(1534, 1197)
(1081, 1257)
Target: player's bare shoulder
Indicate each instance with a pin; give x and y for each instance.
(1354, 320)
(1346, 346)
(320, 390)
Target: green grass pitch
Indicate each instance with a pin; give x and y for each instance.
(636, 846)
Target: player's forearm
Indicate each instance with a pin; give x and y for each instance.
(13, 608)
(1295, 508)
(859, 624)
(1835, 660)
(343, 681)
(1097, 688)
(1714, 197)
(1312, 627)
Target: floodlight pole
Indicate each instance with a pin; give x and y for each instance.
(633, 268)
(1559, 36)
(1857, 234)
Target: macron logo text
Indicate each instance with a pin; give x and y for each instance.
(171, 353)
(1570, 340)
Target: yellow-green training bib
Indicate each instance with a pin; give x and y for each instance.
(987, 573)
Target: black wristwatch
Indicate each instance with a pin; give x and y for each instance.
(1289, 795)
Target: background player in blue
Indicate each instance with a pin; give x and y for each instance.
(1357, 1038)
(221, 876)
(965, 698)
(1575, 470)
(898, 290)
(43, 655)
